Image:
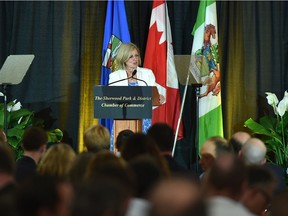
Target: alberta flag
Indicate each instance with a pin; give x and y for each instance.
(205, 56)
(159, 58)
(116, 29)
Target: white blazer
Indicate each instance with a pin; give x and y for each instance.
(142, 74)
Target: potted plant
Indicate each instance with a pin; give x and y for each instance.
(274, 130)
(18, 119)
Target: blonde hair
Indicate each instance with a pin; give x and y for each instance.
(123, 56)
(57, 160)
(96, 138)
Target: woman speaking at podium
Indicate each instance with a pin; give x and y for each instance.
(126, 72)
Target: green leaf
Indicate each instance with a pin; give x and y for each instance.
(268, 122)
(18, 121)
(55, 135)
(257, 128)
(17, 131)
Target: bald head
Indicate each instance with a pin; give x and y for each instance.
(215, 146)
(209, 147)
(212, 149)
(241, 136)
(254, 151)
(238, 139)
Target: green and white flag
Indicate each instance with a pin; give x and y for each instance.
(205, 68)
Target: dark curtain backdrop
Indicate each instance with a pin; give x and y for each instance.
(66, 38)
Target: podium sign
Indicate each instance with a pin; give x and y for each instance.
(123, 102)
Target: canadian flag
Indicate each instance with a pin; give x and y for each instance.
(159, 57)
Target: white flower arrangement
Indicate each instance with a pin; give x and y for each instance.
(18, 119)
(274, 130)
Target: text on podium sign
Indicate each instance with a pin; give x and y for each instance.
(123, 102)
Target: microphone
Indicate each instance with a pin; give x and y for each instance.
(133, 74)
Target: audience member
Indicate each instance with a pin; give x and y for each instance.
(212, 148)
(120, 139)
(223, 186)
(254, 152)
(177, 196)
(141, 144)
(79, 168)
(57, 161)
(238, 139)
(261, 185)
(103, 196)
(34, 145)
(163, 134)
(147, 173)
(111, 190)
(44, 195)
(7, 183)
(97, 138)
(105, 164)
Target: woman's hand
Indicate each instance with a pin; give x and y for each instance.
(162, 99)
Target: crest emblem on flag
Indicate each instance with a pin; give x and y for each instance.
(207, 62)
(205, 55)
(111, 52)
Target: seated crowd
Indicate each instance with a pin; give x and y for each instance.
(141, 179)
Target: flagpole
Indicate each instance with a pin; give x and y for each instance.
(181, 112)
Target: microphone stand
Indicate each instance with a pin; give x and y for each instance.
(133, 74)
(140, 80)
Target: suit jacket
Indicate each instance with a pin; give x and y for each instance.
(25, 167)
(142, 74)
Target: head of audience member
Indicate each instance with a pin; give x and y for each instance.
(97, 138)
(57, 161)
(34, 142)
(279, 205)
(3, 138)
(212, 149)
(253, 152)
(102, 197)
(44, 195)
(226, 177)
(238, 139)
(7, 165)
(261, 184)
(123, 56)
(105, 164)
(163, 134)
(121, 137)
(141, 144)
(177, 196)
(147, 173)
(79, 168)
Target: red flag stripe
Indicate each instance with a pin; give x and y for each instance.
(156, 60)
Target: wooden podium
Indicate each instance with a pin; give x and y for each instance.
(134, 125)
(127, 105)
